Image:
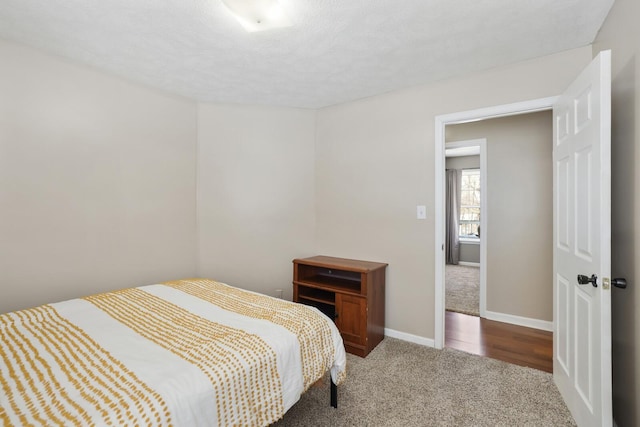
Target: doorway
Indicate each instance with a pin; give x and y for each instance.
(520, 233)
(440, 126)
(465, 210)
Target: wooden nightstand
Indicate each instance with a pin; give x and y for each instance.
(349, 291)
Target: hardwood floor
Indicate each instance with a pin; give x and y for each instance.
(503, 341)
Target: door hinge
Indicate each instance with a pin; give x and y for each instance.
(605, 283)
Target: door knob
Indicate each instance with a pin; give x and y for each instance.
(619, 283)
(583, 280)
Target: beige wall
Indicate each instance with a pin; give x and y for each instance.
(519, 212)
(97, 181)
(374, 164)
(98, 185)
(621, 33)
(256, 198)
(470, 252)
(463, 162)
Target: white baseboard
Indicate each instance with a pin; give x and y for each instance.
(469, 264)
(520, 321)
(409, 337)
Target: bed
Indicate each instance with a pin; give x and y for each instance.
(183, 353)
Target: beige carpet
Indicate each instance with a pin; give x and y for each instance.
(404, 384)
(462, 289)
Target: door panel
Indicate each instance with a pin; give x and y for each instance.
(562, 204)
(582, 213)
(584, 366)
(562, 337)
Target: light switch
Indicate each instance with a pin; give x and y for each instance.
(421, 212)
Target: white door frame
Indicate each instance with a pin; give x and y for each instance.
(441, 122)
(482, 144)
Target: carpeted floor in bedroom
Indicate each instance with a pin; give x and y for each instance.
(405, 384)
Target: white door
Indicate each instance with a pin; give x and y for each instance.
(582, 244)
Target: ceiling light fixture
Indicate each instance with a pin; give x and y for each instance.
(258, 15)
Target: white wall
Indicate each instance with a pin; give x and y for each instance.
(97, 181)
(256, 196)
(519, 211)
(374, 164)
(621, 33)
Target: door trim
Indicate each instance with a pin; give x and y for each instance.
(441, 121)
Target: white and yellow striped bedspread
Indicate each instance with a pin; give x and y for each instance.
(185, 353)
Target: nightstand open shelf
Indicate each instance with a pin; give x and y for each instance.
(351, 292)
(319, 295)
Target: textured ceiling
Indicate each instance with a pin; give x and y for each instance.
(337, 50)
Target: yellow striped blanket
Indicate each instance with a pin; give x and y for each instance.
(185, 353)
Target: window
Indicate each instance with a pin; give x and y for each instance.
(470, 204)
